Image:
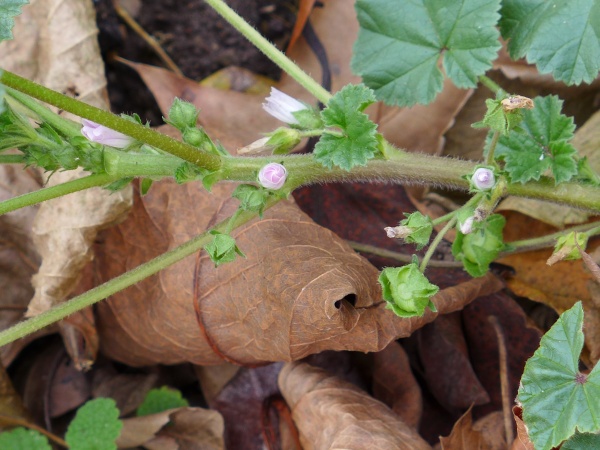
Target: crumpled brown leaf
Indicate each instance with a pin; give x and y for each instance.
(55, 44)
(301, 289)
(174, 429)
(334, 414)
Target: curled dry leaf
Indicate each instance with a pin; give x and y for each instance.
(332, 414)
(301, 289)
(522, 441)
(486, 434)
(65, 56)
(181, 428)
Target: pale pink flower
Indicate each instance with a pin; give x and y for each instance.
(272, 176)
(103, 135)
(483, 179)
(282, 106)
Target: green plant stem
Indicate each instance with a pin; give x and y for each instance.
(33, 198)
(525, 245)
(135, 130)
(490, 84)
(400, 257)
(119, 283)
(120, 164)
(442, 219)
(272, 52)
(434, 244)
(12, 159)
(489, 160)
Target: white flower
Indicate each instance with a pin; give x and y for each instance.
(483, 179)
(272, 176)
(467, 226)
(103, 135)
(281, 106)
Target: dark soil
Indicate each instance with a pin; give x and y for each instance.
(194, 36)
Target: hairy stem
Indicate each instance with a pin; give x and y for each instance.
(119, 283)
(272, 52)
(434, 244)
(33, 198)
(490, 84)
(110, 120)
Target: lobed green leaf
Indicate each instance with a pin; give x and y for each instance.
(23, 439)
(96, 426)
(560, 37)
(400, 43)
(9, 9)
(162, 399)
(556, 398)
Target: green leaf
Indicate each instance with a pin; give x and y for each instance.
(400, 43)
(498, 119)
(357, 142)
(8, 10)
(559, 37)
(556, 398)
(96, 426)
(159, 400)
(222, 249)
(406, 290)
(23, 439)
(481, 246)
(582, 441)
(541, 145)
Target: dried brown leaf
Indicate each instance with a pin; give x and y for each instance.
(522, 442)
(486, 434)
(395, 385)
(181, 428)
(334, 414)
(213, 379)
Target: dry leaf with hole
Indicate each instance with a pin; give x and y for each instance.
(333, 414)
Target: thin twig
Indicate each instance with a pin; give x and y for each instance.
(502, 356)
(137, 28)
(32, 426)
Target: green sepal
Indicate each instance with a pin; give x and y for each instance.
(189, 172)
(209, 180)
(283, 140)
(119, 184)
(566, 246)
(252, 198)
(182, 115)
(586, 173)
(145, 186)
(222, 249)
(421, 227)
(308, 119)
(498, 119)
(407, 291)
(481, 246)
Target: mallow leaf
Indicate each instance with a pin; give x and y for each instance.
(162, 399)
(558, 399)
(561, 37)
(96, 426)
(23, 439)
(400, 43)
(8, 10)
(356, 143)
(540, 144)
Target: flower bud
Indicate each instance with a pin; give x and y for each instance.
(272, 176)
(483, 179)
(103, 135)
(282, 106)
(467, 226)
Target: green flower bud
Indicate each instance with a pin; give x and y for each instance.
(283, 140)
(407, 291)
(222, 249)
(194, 136)
(481, 246)
(566, 248)
(182, 115)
